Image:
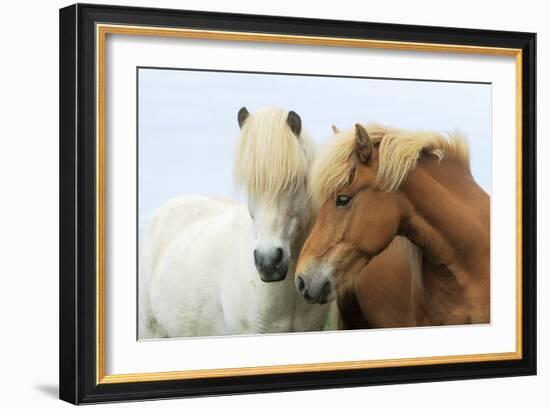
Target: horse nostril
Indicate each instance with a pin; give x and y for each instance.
(278, 256)
(325, 290)
(256, 258)
(301, 283)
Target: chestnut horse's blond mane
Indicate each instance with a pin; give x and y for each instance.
(269, 158)
(399, 151)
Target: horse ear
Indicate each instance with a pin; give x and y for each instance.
(295, 122)
(335, 129)
(363, 144)
(242, 116)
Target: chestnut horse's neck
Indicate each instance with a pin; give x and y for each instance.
(447, 216)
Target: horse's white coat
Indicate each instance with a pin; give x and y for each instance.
(197, 273)
(198, 276)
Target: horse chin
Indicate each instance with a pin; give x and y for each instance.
(322, 300)
(327, 295)
(327, 298)
(272, 278)
(273, 275)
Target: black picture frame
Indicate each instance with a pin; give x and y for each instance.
(78, 368)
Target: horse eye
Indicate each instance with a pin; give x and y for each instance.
(342, 200)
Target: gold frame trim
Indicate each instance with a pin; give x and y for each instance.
(102, 30)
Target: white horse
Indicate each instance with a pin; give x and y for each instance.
(215, 267)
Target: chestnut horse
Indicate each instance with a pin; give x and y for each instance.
(373, 184)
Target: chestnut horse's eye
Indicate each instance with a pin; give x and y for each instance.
(343, 200)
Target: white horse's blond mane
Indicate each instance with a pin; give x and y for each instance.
(269, 158)
(399, 151)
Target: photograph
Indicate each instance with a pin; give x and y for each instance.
(277, 203)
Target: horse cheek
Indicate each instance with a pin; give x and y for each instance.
(374, 231)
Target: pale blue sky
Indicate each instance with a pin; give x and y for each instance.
(188, 121)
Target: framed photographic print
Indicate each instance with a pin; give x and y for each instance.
(257, 203)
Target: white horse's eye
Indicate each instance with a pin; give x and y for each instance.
(343, 200)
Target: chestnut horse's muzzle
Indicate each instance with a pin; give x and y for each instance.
(315, 289)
